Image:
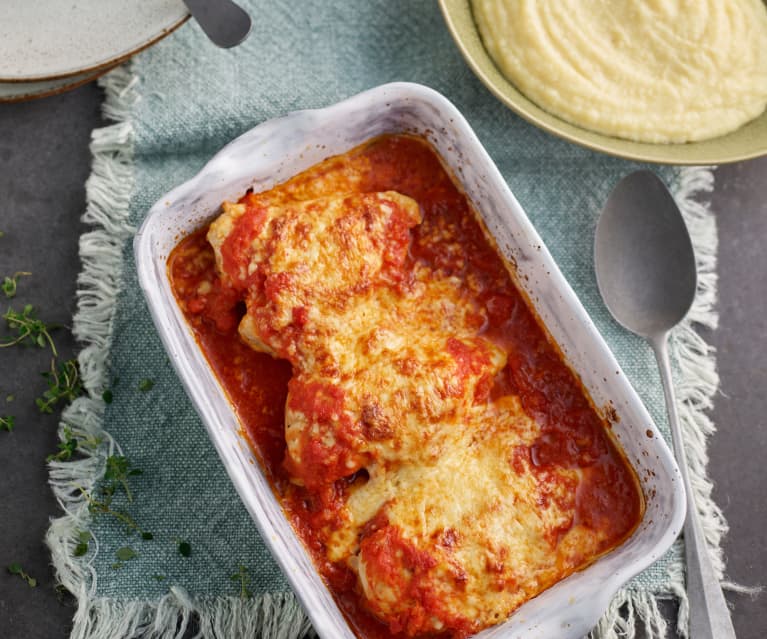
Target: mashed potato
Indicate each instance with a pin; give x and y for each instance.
(646, 70)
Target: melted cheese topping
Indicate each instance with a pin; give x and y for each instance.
(445, 520)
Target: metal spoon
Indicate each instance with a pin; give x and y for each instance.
(645, 269)
(224, 22)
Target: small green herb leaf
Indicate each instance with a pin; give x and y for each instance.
(145, 385)
(107, 396)
(9, 283)
(242, 577)
(117, 467)
(7, 423)
(184, 548)
(16, 569)
(126, 553)
(159, 577)
(82, 546)
(9, 398)
(147, 535)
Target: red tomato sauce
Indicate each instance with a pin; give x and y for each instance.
(573, 434)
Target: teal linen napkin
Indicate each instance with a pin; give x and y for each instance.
(176, 105)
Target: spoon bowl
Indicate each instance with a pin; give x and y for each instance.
(223, 21)
(646, 273)
(645, 264)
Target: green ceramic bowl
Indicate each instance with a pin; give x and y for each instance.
(749, 141)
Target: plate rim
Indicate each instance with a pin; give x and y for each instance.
(57, 89)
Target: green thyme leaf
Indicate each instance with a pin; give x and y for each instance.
(16, 569)
(126, 553)
(145, 385)
(184, 548)
(241, 576)
(7, 422)
(81, 548)
(9, 283)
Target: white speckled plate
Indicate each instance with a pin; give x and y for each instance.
(45, 40)
(278, 149)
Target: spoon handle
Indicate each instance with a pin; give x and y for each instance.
(709, 615)
(223, 21)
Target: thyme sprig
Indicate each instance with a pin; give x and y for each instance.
(242, 577)
(70, 444)
(64, 384)
(29, 329)
(67, 447)
(103, 506)
(16, 569)
(118, 471)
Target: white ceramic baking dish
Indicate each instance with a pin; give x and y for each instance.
(278, 149)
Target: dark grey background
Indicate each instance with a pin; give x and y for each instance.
(44, 162)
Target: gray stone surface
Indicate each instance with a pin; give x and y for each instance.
(738, 451)
(44, 161)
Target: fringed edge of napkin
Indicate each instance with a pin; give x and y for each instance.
(108, 193)
(271, 616)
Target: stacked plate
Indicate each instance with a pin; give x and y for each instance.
(49, 46)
